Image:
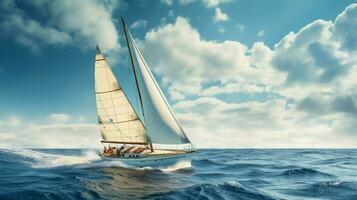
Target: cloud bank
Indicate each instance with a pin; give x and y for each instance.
(308, 81)
(54, 131)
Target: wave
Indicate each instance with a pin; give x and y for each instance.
(48, 160)
(228, 190)
(334, 189)
(87, 159)
(183, 165)
(303, 172)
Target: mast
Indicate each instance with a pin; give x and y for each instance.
(135, 74)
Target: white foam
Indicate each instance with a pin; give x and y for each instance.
(108, 164)
(47, 160)
(88, 158)
(234, 183)
(177, 166)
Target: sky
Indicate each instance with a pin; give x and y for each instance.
(238, 74)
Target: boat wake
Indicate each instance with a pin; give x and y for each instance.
(182, 165)
(86, 159)
(40, 159)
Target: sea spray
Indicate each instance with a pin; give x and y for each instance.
(48, 160)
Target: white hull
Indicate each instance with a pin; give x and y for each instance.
(154, 161)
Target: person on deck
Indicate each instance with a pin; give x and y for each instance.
(120, 151)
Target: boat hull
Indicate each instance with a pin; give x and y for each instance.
(154, 161)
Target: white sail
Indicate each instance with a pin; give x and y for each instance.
(161, 125)
(117, 119)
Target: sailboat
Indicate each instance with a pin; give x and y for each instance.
(146, 135)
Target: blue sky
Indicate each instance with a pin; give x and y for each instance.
(267, 74)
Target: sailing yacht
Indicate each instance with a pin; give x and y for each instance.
(149, 135)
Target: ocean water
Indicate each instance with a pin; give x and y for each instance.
(213, 174)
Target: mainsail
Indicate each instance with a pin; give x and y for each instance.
(161, 125)
(117, 119)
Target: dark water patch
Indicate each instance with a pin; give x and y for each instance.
(206, 161)
(329, 190)
(228, 190)
(302, 172)
(333, 161)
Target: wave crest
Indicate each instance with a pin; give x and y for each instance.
(48, 160)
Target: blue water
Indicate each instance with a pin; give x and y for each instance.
(213, 174)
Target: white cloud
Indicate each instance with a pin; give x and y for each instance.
(89, 20)
(10, 122)
(233, 87)
(316, 60)
(221, 29)
(220, 16)
(81, 118)
(139, 24)
(222, 61)
(29, 32)
(67, 22)
(167, 2)
(310, 79)
(185, 2)
(59, 118)
(207, 3)
(209, 121)
(171, 13)
(58, 135)
(261, 33)
(345, 28)
(240, 27)
(211, 3)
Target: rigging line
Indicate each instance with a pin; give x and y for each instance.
(132, 85)
(107, 91)
(132, 64)
(136, 78)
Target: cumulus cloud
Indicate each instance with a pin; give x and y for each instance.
(309, 78)
(54, 135)
(256, 124)
(59, 118)
(185, 2)
(240, 27)
(261, 33)
(179, 46)
(167, 2)
(316, 61)
(10, 122)
(139, 24)
(214, 3)
(67, 22)
(207, 3)
(221, 29)
(344, 28)
(219, 16)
